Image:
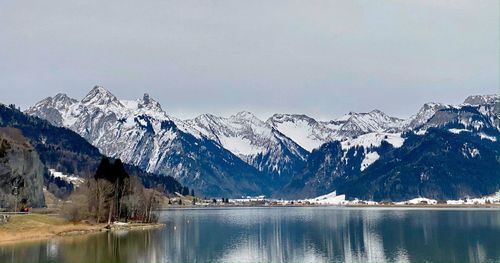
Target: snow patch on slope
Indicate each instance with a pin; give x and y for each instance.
(487, 137)
(457, 131)
(76, 181)
(368, 142)
(240, 146)
(296, 132)
(256, 142)
(370, 158)
(304, 130)
(374, 139)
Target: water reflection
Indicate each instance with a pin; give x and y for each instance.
(286, 235)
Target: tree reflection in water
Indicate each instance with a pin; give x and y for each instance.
(285, 235)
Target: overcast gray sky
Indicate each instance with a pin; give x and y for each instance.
(321, 58)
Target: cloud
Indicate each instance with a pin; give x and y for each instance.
(322, 58)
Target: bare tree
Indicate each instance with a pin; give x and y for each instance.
(124, 198)
(100, 193)
(134, 201)
(152, 202)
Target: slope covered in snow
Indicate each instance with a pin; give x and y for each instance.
(311, 134)
(373, 139)
(254, 141)
(424, 114)
(488, 105)
(243, 155)
(374, 121)
(304, 130)
(141, 133)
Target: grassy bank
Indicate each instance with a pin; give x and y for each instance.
(38, 227)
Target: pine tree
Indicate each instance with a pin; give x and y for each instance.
(185, 191)
(104, 169)
(119, 170)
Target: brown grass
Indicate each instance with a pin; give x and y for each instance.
(40, 226)
(37, 226)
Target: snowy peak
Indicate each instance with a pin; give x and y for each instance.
(482, 99)
(62, 100)
(207, 119)
(361, 123)
(477, 113)
(51, 108)
(311, 134)
(282, 118)
(99, 96)
(424, 114)
(243, 134)
(249, 123)
(95, 116)
(59, 101)
(205, 124)
(488, 105)
(346, 117)
(376, 116)
(246, 116)
(254, 141)
(149, 103)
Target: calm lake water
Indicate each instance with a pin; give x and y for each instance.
(286, 235)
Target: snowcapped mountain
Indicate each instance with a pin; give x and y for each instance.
(421, 156)
(141, 133)
(329, 166)
(423, 115)
(482, 99)
(488, 105)
(361, 123)
(254, 141)
(311, 134)
(52, 107)
(443, 163)
(478, 114)
(288, 154)
(65, 151)
(439, 164)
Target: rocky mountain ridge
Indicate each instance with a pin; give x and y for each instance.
(267, 157)
(141, 133)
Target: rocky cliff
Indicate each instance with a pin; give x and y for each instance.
(21, 171)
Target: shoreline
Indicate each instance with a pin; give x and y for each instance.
(41, 232)
(426, 206)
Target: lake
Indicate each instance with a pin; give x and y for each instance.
(297, 234)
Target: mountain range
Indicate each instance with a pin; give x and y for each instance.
(365, 155)
(63, 151)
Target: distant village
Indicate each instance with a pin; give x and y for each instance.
(331, 199)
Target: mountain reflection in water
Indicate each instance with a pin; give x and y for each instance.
(286, 235)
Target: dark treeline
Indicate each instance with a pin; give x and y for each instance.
(167, 184)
